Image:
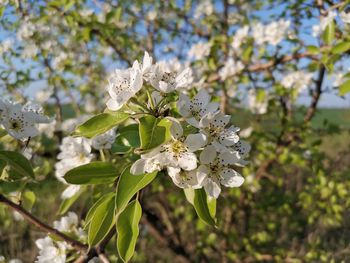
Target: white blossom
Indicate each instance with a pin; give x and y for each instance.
(204, 8)
(104, 141)
(345, 16)
(50, 252)
(216, 172)
(255, 104)
(193, 110)
(166, 79)
(74, 152)
(272, 33)
(21, 121)
(240, 35)
(200, 50)
(298, 80)
(123, 85)
(67, 223)
(6, 45)
(230, 68)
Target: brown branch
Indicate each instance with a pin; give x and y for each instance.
(316, 95)
(44, 227)
(151, 220)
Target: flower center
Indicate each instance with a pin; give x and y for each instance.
(16, 125)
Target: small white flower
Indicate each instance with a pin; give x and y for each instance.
(123, 85)
(20, 121)
(166, 81)
(298, 80)
(193, 110)
(67, 223)
(104, 141)
(74, 152)
(345, 16)
(70, 191)
(177, 153)
(200, 50)
(255, 104)
(213, 126)
(230, 68)
(216, 171)
(49, 252)
(204, 8)
(185, 179)
(240, 35)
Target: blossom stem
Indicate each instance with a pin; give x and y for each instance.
(103, 158)
(32, 219)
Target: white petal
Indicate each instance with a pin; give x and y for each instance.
(212, 188)
(113, 105)
(202, 172)
(208, 154)
(183, 105)
(229, 157)
(187, 161)
(70, 191)
(202, 98)
(230, 178)
(195, 141)
(138, 167)
(212, 107)
(176, 129)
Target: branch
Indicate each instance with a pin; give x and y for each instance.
(150, 221)
(316, 95)
(44, 227)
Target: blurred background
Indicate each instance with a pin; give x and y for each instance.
(279, 68)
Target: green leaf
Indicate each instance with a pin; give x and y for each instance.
(28, 199)
(100, 124)
(92, 210)
(344, 88)
(18, 163)
(313, 50)
(203, 209)
(154, 132)
(92, 173)
(341, 47)
(102, 221)
(128, 230)
(329, 33)
(128, 186)
(127, 139)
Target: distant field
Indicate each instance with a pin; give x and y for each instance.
(334, 116)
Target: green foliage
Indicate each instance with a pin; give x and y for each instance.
(100, 124)
(18, 163)
(92, 173)
(128, 230)
(128, 186)
(204, 206)
(102, 220)
(344, 88)
(153, 132)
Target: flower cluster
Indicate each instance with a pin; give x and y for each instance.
(21, 121)
(297, 80)
(53, 251)
(203, 158)
(76, 151)
(124, 84)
